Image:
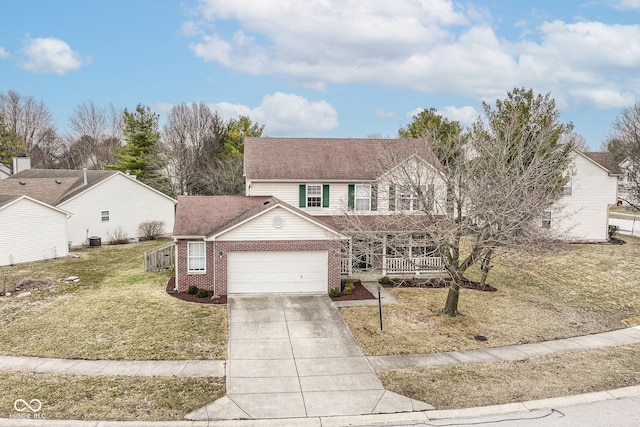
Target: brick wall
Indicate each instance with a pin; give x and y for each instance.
(215, 277)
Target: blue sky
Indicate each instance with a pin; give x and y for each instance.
(325, 68)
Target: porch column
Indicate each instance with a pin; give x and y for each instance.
(384, 255)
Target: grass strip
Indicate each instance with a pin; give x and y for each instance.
(507, 382)
(88, 397)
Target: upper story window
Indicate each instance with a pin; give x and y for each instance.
(406, 198)
(196, 257)
(363, 197)
(567, 190)
(104, 216)
(314, 196)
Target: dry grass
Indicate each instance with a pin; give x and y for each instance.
(84, 397)
(116, 311)
(578, 290)
(507, 382)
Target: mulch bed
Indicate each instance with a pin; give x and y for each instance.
(359, 293)
(440, 283)
(183, 296)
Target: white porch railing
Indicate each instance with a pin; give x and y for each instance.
(412, 265)
(344, 266)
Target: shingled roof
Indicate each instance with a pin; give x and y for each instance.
(606, 160)
(205, 215)
(52, 186)
(325, 159)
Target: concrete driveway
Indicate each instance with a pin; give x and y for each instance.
(293, 356)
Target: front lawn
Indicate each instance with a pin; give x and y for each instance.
(115, 311)
(577, 290)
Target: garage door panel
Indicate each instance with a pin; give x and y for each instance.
(283, 271)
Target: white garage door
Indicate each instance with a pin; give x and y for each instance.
(255, 272)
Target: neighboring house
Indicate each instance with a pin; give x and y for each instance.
(627, 180)
(102, 203)
(5, 171)
(31, 230)
(582, 215)
(238, 244)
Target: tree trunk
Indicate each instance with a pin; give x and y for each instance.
(485, 267)
(451, 306)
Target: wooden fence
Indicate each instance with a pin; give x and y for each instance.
(161, 258)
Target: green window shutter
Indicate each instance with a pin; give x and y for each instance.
(392, 197)
(325, 196)
(351, 196)
(303, 196)
(374, 197)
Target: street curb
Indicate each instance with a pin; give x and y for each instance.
(352, 420)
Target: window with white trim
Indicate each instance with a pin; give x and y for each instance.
(314, 196)
(196, 257)
(363, 197)
(567, 190)
(546, 219)
(408, 200)
(104, 216)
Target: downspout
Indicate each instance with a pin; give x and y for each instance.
(176, 263)
(215, 262)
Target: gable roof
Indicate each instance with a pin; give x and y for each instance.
(56, 186)
(328, 159)
(605, 160)
(202, 216)
(52, 186)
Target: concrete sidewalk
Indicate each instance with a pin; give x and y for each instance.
(133, 368)
(508, 353)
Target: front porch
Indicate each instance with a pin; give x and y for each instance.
(396, 266)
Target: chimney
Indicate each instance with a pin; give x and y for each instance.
(21, 164)
(84, 175)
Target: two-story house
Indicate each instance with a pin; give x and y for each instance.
(293, 231)
(316, 209)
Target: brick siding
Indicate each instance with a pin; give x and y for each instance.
(215, 277)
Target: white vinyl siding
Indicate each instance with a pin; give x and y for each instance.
(283, 271)
(584, 215)
(277, 224)
(128, 202)
(196, 257)
(37, 232)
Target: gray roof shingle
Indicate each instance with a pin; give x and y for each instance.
(325, 159)
(606, 160)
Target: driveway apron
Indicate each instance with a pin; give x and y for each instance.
(293, 356)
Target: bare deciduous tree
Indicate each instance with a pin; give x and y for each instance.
(31, 121)
(94, 134)
(475, 196)
(624, 142)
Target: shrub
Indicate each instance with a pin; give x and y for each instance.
(202, 293)
(335, 292)
(348, 288)
(386, 280)
(345, 282)
(118, 236)
(192, 290)
(151, 230)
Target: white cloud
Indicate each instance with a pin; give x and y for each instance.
(285, 115)
(50, 55)
(384, 114)
(626, 4)
(3, 53)
(465, 115)
(436, 47)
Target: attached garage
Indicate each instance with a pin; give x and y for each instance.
(273, 272)
(239, 245)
